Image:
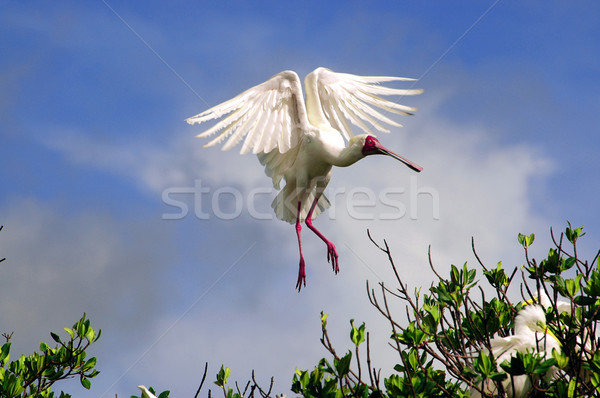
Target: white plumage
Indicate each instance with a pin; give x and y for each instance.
(531, 333)
(300, 141)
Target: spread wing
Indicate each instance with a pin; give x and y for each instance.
(339, 97)
(268, 116)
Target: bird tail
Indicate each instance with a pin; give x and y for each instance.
(285, 203)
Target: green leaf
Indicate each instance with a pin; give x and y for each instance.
(514, 366)
(55, 337)
(413, 359)
(561, 285)
(90, 363)
(454, 276)
(357, 335)
(497, 277)
(222, 376)
(471, 275)
(572, 286)
(525, 240)
(561, 359)
(342, 366)
(573, 233)
(572, 385)
(5, 353)
(98, 335)
(484, 364)
(329, 385)
(568, 264)
(592, 286)
(85, 382)
(13, 386)
(71, 333)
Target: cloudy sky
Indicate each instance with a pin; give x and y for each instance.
(110, 206)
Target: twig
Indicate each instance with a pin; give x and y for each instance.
(202, 382)
(264, 394)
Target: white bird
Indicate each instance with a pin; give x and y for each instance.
(588, 333)
(543, 300)
(146, 393)
(531, 333)
(300, 142)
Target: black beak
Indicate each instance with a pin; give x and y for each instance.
(384, 151)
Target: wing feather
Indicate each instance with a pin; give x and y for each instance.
(233, 122)
(267, 116)
(387, 105)
(266, 132)
(248, 120)
(336, 98)
(255, 134)
(368, 111)
(271, 138)
(339, 120)
(353, 116)
(277, 163)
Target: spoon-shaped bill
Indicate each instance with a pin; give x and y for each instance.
(384, 151)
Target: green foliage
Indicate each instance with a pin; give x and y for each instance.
(357, 335)
(444, 348)
(34, 375)
(525, 240)
(222, 376)
(222, 379)
(528, 363)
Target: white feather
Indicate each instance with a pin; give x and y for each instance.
(530, 334)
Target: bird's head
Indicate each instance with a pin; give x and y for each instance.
(372, 146)
(532, 318)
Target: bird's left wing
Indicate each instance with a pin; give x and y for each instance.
(268, 116)
(343, 96)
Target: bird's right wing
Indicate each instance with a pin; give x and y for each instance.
(269, 116)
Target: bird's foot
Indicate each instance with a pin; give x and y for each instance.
(333, 256)
(301, 275)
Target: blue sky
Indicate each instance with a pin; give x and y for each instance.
(92, 105)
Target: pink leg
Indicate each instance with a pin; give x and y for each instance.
(331, 252)
(302, 269)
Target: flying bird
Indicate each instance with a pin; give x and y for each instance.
(531, 333)
(300, 141)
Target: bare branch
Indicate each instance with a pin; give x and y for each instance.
(202, 382)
